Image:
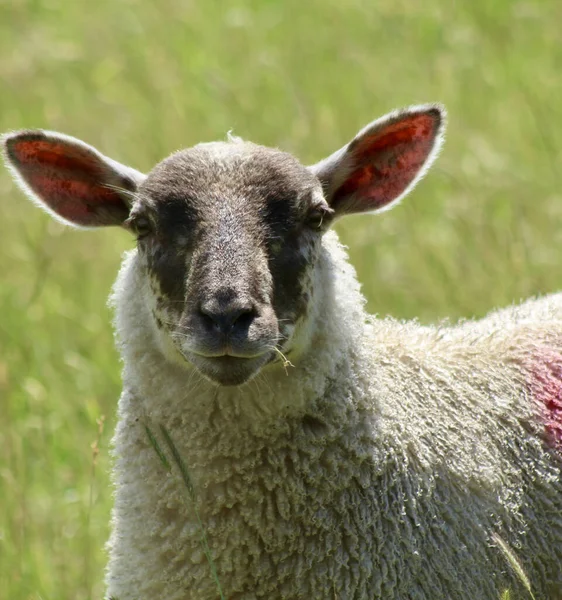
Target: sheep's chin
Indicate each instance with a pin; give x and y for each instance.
(228, 371)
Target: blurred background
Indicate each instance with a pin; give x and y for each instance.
(140, 79)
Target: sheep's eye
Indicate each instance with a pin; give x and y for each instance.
(141, 226)
(319, 217)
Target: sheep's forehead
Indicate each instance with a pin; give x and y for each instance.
(200, 183)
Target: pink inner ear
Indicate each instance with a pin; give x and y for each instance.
(73, 199)
(69, 180)
(387, 161)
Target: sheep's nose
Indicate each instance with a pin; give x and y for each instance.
(230, 320)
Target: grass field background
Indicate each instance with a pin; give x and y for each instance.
(140, 79)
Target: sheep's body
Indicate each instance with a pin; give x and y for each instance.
(381, 467)
(393, 461)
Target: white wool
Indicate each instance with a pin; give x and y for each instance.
(380, 465)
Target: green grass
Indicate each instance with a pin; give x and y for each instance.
(140, 79)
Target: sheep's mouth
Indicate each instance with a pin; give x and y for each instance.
(228, 370)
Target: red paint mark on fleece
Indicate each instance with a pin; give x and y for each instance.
(546, 388)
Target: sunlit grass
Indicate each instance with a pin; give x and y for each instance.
(514, 564)
(140, 79)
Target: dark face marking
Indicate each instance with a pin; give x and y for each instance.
(235, 232)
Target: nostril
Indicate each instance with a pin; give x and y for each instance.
(244, 319)
(208, 318)
(233, 319)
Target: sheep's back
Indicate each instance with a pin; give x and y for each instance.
(473, 416)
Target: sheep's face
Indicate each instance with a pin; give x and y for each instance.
(228, 233)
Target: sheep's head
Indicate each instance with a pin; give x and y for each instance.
(228, 233)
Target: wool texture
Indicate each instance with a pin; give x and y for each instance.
(384, 463)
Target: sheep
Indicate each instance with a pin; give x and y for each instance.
(332, 454)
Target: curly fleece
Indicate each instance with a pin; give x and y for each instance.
(385, 464)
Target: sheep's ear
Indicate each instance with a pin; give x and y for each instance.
(384, 161)
(70, 179)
